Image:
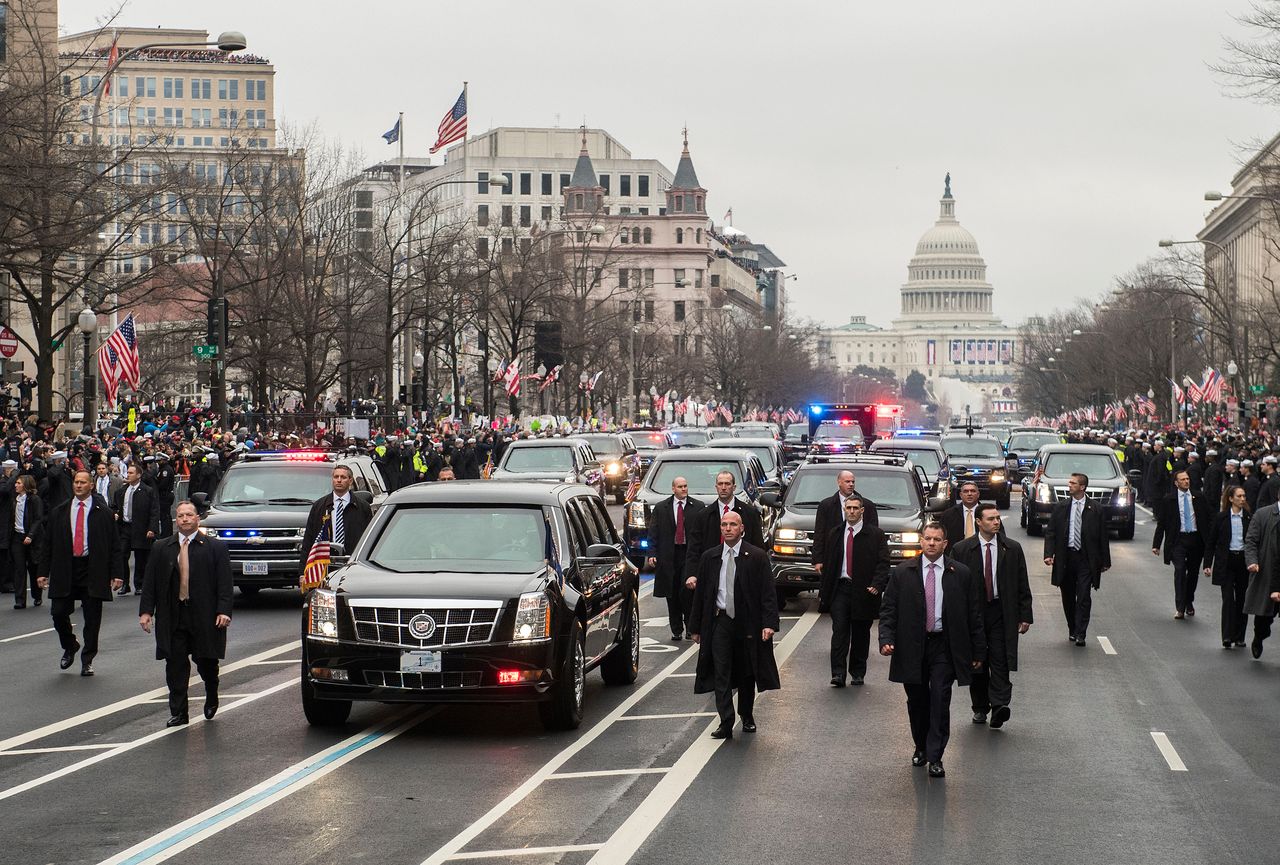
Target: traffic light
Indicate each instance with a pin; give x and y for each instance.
(1244, 411)
(548, 347)
(217, 305)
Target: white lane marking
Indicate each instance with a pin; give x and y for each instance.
(1107, 648)
(24, 636)
(682, 675)
(525, 851)
(169, 842)
(667, 715)
(278, 661)
(451, 847)
(606, 773)
(129, 746)
(1168, 752)
(655, 621)
(61, 749)
(119, 706)
(624, 843)
(221, 697)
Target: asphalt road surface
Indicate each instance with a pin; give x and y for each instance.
(1150, 745)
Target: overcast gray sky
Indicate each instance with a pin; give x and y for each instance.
(1076, 134)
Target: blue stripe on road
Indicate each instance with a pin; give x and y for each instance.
(233, 810)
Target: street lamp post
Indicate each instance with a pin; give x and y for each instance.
(88, 323)
(583, 378)
(421, 402)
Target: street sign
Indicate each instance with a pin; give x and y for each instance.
(204, 352)
(8, 342)
(1253, 388)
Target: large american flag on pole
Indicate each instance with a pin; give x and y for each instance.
(454, 124)
(118, 359)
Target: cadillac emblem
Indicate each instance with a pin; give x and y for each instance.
(422, 626)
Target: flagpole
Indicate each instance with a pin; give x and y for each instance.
(400, 139)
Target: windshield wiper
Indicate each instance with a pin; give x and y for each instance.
(880, 507)
(235, 502)
(289, 501)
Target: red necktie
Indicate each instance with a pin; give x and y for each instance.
(991, 592)
(679, 523)
(78, 540)
(726, 512)
(848, 553)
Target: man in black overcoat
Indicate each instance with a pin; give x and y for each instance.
(347, 514)
(734, 618)
(853, 576)
(671, 523)
(1078, 550)
(137, 510)
(79, 562)
(706, 527)
(1183, 520)
(831, 513)
(930, 648)
(1005, 615)
(190, 620)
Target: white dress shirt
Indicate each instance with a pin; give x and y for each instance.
(722, 593)
(983, 544)
(19, 511)
(1076, 515)
(937, 595)
(850, 531)
(104, 486)
(88, 509)
(127, 504)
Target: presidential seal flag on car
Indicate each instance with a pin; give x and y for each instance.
(317, 569)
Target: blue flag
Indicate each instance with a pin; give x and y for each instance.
(392, 135)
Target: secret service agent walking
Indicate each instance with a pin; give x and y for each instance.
(734, 618)
(1077, 548)
(78, 562)
(187, 597)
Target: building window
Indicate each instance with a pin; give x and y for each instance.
(173, 116)
(482, 182)
(635, 235)
(145, 87)
(697, 345)
(508, 246)
(649, 312)
(715, 280)
(648, 277)
(201, 88)
(526, 216)
(622, 278)
(482, 247)
(624, 184)
(546, 212)
(564, 181)
(577, 201)
(482, 215)
(173, 88)
(699, 309)
(256, 90)
(698, 236)
(228, 88)
(636, 311)
(642, 181)
(679, 277)
(526, 183)
(679, 204)
(506, 216)
(679, 312)
(546, 183)
(679, 235)
(604, 183)
(509, 187)
(648, 235)
(699, 203)
(697, 278)
(643, 211)
(4, 31)
(681, 344)
(624, 236)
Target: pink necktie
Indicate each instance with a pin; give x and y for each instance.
(78, 541)
(930, 596)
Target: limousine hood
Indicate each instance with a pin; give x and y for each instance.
(363, 580)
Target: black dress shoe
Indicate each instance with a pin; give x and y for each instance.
(1178, 614)
(210, 709)
(1191, 609)
(1226, 644)
(1256, 649)
(675, 638)
(979, 717)
(917, 759)
(177, 721)
(722, 732)
(137, 591)
(86, 668)
(1080, 641)
(124, 590)
(1071, 638)
(999, 715)
(748, 725)
(1239, 643)
(19, 606)
(855, 680)
(837, 681)
(40, 601)
(69, 657)
(936, 770)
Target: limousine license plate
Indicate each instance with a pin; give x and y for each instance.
(255, 568)
(413, 661)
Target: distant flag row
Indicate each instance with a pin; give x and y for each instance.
(453, 126)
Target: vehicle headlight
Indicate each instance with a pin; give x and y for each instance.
(205, 530)
(613, 468)
(1044, 495)
(997, 477)
(323, 622)
(1122, 496)
(570, 478)
(635, 516)
(533, 617)
(790, 535)
(909, 538)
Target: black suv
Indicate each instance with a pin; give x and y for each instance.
(1108, 486)
(795, 442)
(619, 459)
(259, 509)
(566, 460)
(1022, 446)
(981, 459)
(923, 452)
(649, 442)
(475, 592)
(897, 487)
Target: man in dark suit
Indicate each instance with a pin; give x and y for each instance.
(187, 595)
(831, 514)
(734, 618)
(670, 524)
(79, 562)
(106, 482)
(1076, 547)
(853, 576)
(8, 577)
(706, 526)
(137, 511)
(1005, 614)
(348, 516)
(961, 519)
(24, 539)
(931, 629)
(1183, 519)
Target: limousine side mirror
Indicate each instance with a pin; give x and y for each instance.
(804, 438)
(1011, 462)
(337, 555)
(364, 496)
(604, 552)
(770, 500)
(938, 504)
(201, 501)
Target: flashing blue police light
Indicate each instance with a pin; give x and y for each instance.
(815, 410)
(644, 545)
(909, 433)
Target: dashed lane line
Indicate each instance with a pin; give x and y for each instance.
(169, 842)
(608, 773)
(1167, 751)
(1107, 648)
(119, 706)
(129, 746)
(667, 715)
(61, 749)
(24, 636)
(527, 851)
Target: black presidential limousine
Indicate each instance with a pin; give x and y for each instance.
(475, 591)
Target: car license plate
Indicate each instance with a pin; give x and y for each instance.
(414, 661)
(259, 568)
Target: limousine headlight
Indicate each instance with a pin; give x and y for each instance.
(533, 616)
(323, 622)
(790, 535)
(1044, 493)
(904, 537)
(1122, 496)
(613, 468)
(997, 477)
(635, 516)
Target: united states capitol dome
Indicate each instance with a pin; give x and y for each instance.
(947, 277)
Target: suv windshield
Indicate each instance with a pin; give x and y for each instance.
(795, 430)
(1032, 442)
(604, 446)
(550, 459)
(485, 540)
(652, 439)
(892, 489)
(258, 483)
(689, 437)
(980, 448)
(701, 475)
(765, 454)
(1096, 466)
(926, 459)
(839, 431)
